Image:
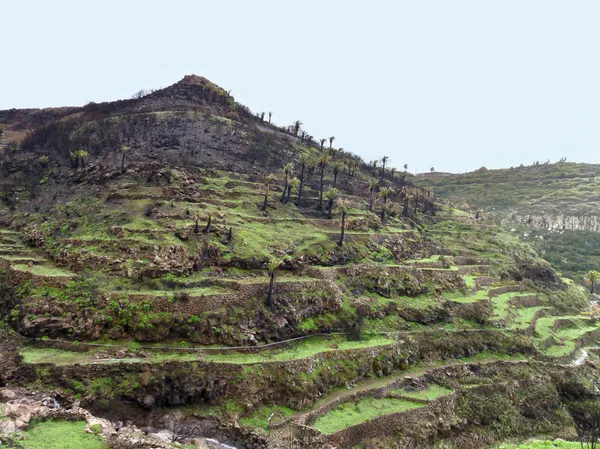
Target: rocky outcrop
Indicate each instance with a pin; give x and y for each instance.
(561, 222)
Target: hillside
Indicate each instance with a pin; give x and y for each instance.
(166, 278)
(552, 206)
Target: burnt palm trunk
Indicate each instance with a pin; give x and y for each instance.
(196, 228)
(265, 201)
(301, 185)
(370, 199)
(123, 164)
(335, 175)
(289, 193)
(207, 228)
(271, 285)
(321, 190)
(329, 208)
(341, 242)
(405, 208)
(285, 186)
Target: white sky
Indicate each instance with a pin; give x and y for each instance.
(450, 84)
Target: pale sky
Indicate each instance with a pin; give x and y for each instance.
(452, 84)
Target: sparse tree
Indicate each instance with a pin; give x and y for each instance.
(322, 143)
(272, 267)
(296, 127)
(384, 160)
(293, 184)
(371, 191)
(262, 116)
(270, 115)
(322, 162)
(330, 196)
(336, 167)
(267, 184)
(405, 167)
(591, 278)
(343, 206)
(331, 139)
(309, 140)
(304, 159)
(385, 193)
(287, 170)
(432, 169)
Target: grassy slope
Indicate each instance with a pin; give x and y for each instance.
(548, 189)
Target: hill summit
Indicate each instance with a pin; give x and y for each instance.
(173, 266)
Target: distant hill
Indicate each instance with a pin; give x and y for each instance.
(554, 206)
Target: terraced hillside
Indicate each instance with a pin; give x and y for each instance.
(189, 294)
(552, 206)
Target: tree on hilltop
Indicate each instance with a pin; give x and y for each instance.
(384, 160)
(331, 139)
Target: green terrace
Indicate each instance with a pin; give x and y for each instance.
(350, 414)
(297, 350)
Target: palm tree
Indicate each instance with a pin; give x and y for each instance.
(270, 114)
(336, 167)
(384, 160)
(392, 171)
(405, 208)
(287, 169)
(296, 126)
(330, 195)
(273, 265)
(262, 116)
(268, 182)
(309, 140)
(331, 139)
(405, 167)
(322, 163)
(322, 143)
(385, 193)
(124, 149)
(294, 182)
(80, 156)
(591, 278)
(343, 206)
(371, 190)
(304, 159)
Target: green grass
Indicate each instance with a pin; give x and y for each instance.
(352, 413)
(300, 350)
(43, 270)
(62, 357)
(536, 444)
(61, 435)
(525, 316)
(430, 393)
(260, 418)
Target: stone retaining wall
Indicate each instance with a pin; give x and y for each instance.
(18, 277)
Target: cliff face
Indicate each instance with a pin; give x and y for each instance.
(560, 222)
